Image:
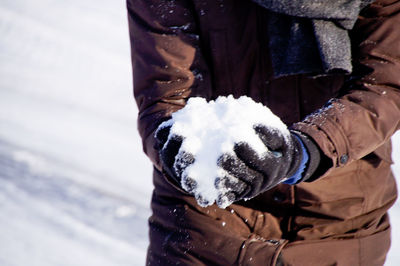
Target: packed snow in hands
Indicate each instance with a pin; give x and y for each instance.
(211, 129)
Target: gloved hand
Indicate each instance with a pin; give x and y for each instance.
(247, 175)
(174, 161)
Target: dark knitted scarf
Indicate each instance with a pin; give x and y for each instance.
(311, 36)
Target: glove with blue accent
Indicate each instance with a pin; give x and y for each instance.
(290, 160)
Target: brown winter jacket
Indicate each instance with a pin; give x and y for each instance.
(209, 48)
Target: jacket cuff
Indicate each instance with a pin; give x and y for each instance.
(327, 134)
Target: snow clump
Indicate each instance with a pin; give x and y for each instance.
(210, 129)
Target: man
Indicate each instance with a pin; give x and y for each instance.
(342, 108)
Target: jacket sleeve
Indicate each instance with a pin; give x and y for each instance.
(367, 113)
(167, 65)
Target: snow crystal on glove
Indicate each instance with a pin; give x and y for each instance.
(210, 129)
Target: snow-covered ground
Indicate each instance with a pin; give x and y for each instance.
(75, 186)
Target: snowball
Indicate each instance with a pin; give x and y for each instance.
(211, 129)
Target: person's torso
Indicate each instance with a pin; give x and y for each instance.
(234, 43)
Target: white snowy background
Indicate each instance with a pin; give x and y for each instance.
(74, 184)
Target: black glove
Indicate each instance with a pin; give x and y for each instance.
(248, 175)
(174, 161)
